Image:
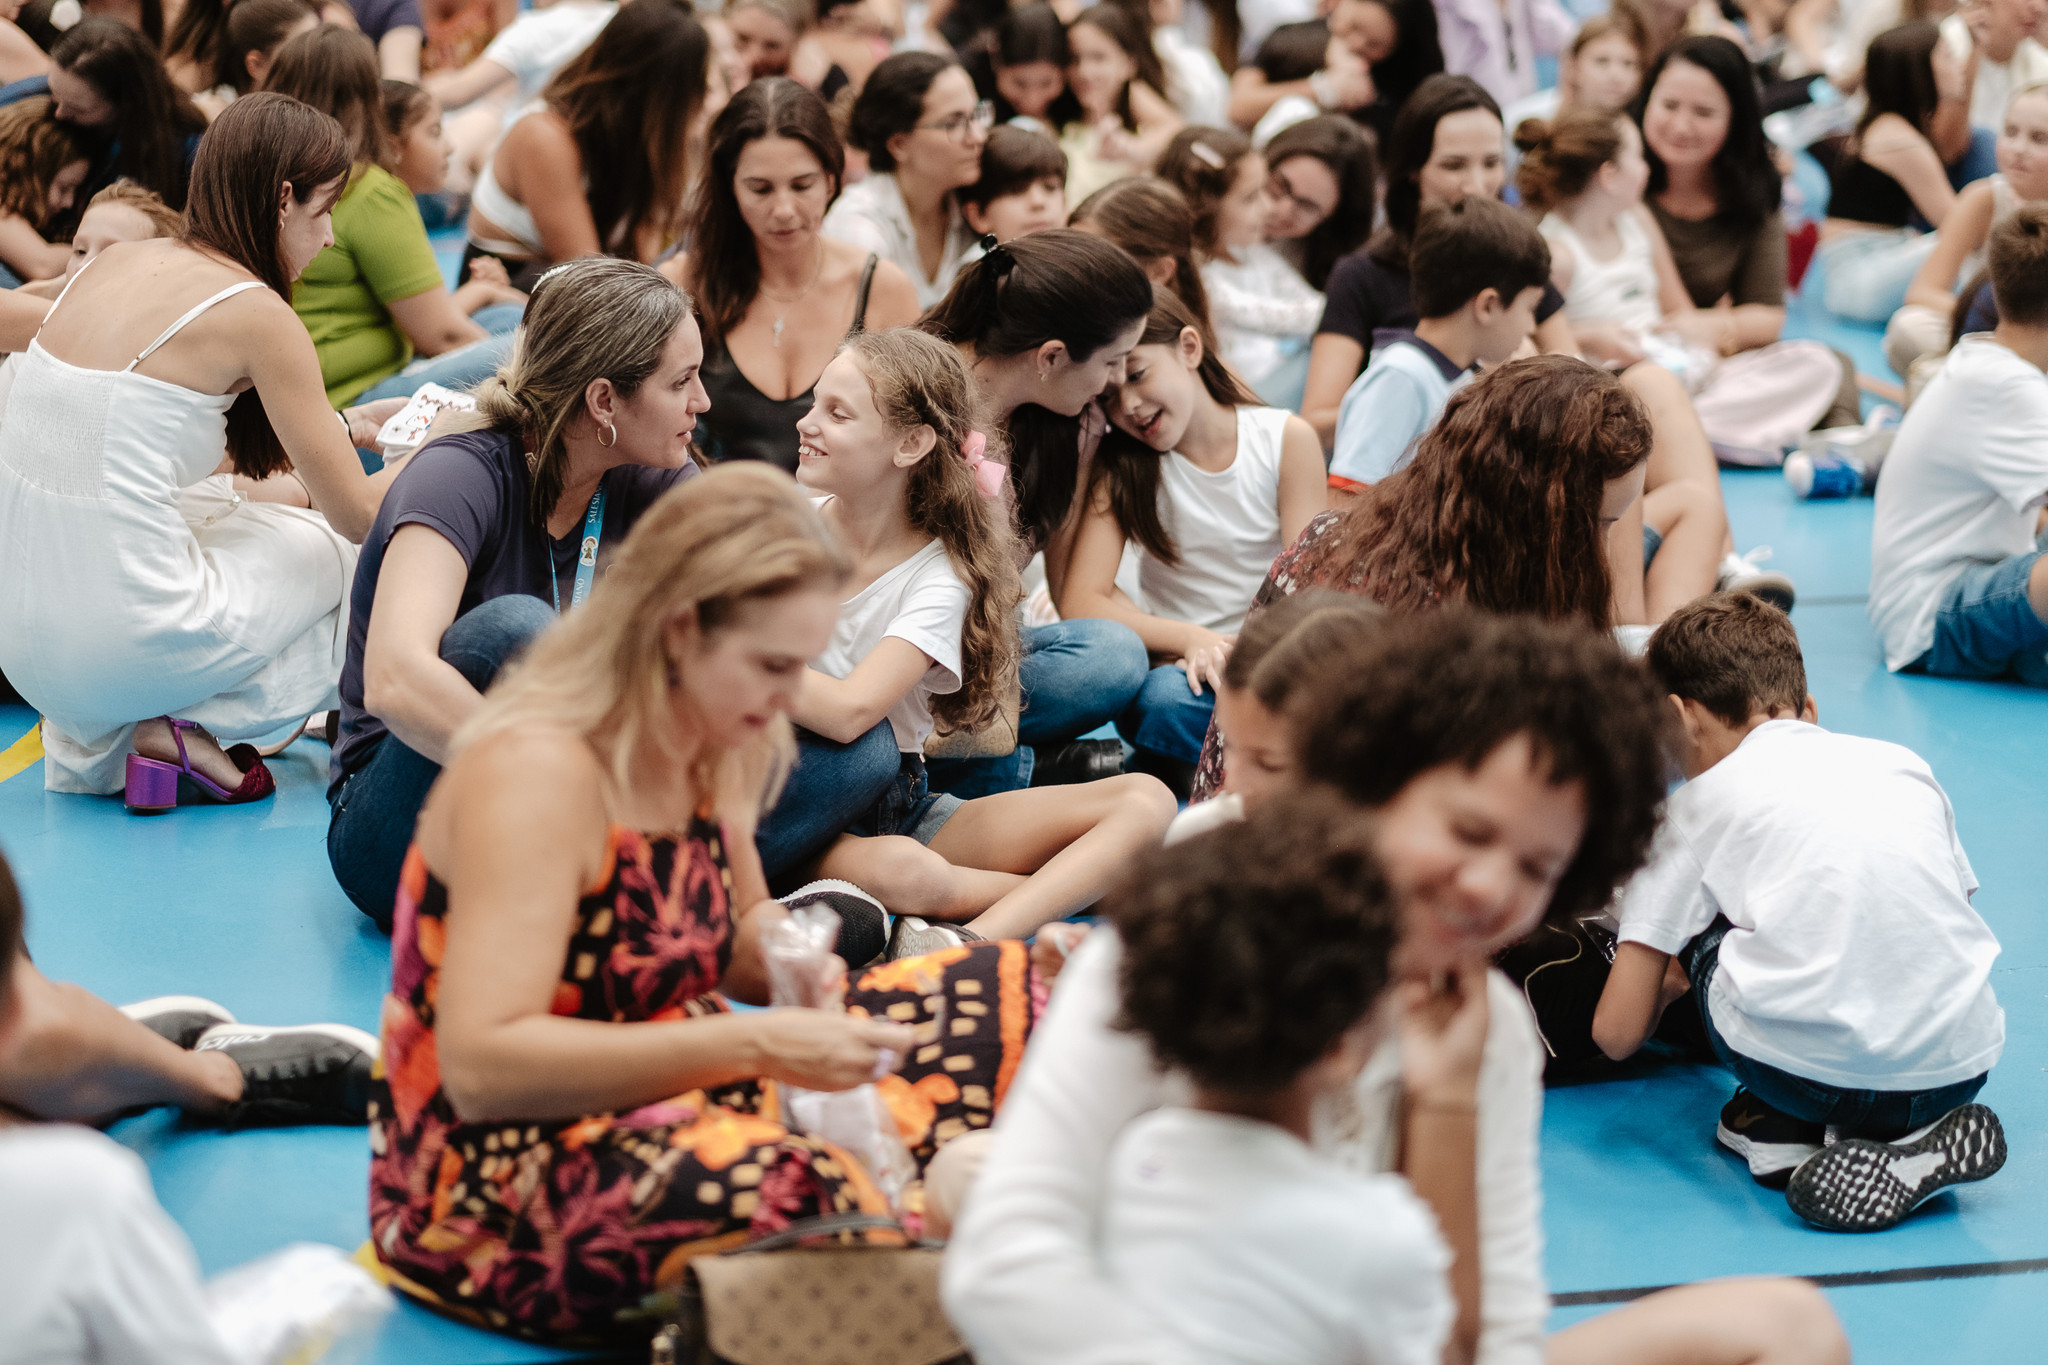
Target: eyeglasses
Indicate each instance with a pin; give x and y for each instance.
(1277, 186)
(981, 118)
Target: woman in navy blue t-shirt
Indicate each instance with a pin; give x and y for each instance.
(491, 531)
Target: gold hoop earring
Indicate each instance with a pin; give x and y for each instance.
(613, 432)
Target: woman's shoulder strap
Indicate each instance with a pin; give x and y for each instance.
(860, 298)
(190, 313)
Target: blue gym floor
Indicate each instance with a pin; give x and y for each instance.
(239, 905)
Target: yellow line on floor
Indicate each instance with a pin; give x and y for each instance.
(24, 753)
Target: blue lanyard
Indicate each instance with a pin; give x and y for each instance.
(586, 556)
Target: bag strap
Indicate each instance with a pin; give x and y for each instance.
(824, 1225)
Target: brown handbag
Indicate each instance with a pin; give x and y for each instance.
(779, 1302)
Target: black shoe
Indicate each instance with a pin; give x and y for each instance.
(1773, 1143)
(1858, 1185)
(312, 1073)
(1177, 773)
(1080, 760)
(863, 924)
(178, 1019)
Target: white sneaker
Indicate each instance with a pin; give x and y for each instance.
(914, 937)
(1742, 573)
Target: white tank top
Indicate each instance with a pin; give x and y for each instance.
(1226, 526)
(1618, 292)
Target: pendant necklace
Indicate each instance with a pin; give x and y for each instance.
(775, 337)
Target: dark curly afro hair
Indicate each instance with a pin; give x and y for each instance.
(1451, 686)
(1251, 950)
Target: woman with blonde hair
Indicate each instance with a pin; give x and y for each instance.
(583, 429)
(582, 897)
(42, 164)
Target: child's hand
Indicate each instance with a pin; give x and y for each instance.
(1609, 346)
(1206, 654)
(489, 270)
(1443, 1037)
(1051, 948)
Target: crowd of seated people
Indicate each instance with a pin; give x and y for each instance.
(1190, 542)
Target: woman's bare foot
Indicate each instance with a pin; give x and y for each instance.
(153, 739)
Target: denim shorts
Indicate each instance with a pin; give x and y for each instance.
(1878, 1114)
(1986, 628)
(908, 806)
(1653, 541)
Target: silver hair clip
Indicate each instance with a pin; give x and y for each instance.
(1207, 155)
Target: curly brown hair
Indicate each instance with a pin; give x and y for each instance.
(34, 147)
(918, 380)
(1500, 508)
(1248, 952)
(1421, 691)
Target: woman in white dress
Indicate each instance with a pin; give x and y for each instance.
(143, 591)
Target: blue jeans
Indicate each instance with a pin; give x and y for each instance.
(1864, 274)
(462, 368)
(1986, 626)
(376, 807)
(832, 786)
(1167, 718)
(1878, 1114)
(1077, 676)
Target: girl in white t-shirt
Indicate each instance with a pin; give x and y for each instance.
(928, 640)
(1208, 486)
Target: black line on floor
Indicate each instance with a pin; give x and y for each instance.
(1973, 1270)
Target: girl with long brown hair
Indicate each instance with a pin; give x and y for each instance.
(602, 163)
(1209, 486)
(1150, 220)
(1505, 507)
(775, 295)
(376, 299)
(144, 604)
(927, 640)
(107, 77)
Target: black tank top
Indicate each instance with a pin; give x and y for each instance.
(746, 424)
(1859, 192)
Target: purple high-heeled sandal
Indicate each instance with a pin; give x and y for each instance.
(153, 785)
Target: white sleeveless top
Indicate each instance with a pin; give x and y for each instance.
(1617, 292)
(1226, 526)
(490, 199)
(135, 583)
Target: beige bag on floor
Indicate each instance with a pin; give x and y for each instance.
(777, 1302)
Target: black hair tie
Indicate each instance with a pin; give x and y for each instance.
(999, 257)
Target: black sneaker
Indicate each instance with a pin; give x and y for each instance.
(310, 1073)
(863, 924)
(179, 1019)
(1772, 1142)
(914, 937)
(1080, 760)
(1857, 1185)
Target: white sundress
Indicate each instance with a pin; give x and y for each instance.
(135, 584)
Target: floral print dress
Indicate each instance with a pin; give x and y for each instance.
(551, 1228)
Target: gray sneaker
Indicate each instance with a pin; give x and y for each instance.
(1857, 1185)
(913, 937)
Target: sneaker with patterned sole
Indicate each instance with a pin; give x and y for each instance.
(1857, 1185)
(307, 1073)
(1771, 1141)
(1745, 573)
(178, 1019)
(863, 924)
(914, 937)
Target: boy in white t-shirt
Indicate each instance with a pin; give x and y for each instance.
(1809, 890)
(1254, 964)
(1479, 268)
(1958, 582)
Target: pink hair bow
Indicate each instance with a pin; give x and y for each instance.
(988, 475)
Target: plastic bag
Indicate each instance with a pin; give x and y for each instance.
(304, 1303)
(804, 973)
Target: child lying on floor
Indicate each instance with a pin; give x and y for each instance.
(1809, 890)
